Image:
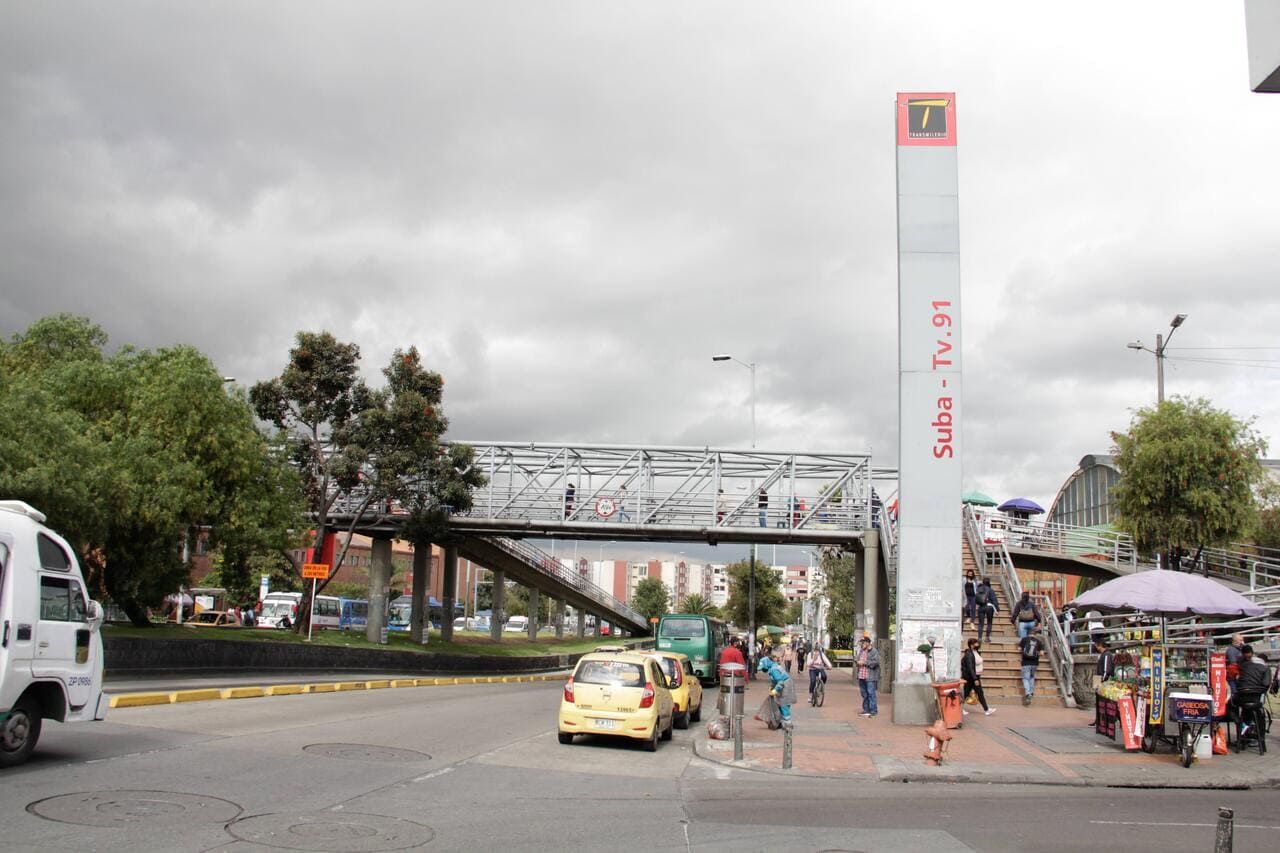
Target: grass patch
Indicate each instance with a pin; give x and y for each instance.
(464, 642)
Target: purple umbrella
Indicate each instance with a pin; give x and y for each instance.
(1021, 505)
(1164, 593)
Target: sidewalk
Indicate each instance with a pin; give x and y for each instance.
(1034, 745)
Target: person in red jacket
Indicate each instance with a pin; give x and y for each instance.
(731, 654)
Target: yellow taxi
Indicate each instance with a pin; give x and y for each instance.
(617, 694)
(686, 689)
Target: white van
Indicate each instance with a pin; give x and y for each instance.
(50, 643)
(279, 610)
(517, 625)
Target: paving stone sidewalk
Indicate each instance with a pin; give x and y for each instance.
(1016, 745)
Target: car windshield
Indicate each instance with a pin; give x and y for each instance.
(276, 608)
(400, 616)
(683, 628)
(618, 673)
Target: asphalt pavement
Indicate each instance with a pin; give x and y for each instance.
(478, 767)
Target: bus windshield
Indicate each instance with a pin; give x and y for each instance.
(276, 608)
(683, 628)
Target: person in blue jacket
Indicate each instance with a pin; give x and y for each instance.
(782, 688)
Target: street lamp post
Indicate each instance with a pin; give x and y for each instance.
(751, 577)
(1162, 343)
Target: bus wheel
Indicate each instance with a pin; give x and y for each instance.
(19, 732)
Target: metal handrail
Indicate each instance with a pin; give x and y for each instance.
(552, 567)
(1060, 655)
(1090, 543)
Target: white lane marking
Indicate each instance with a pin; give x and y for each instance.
(1154, 823)
(433, 774)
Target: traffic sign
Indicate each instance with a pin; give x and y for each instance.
(317, 571)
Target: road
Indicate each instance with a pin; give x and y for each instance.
(478, 767)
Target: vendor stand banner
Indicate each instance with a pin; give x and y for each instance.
(1157, 685)
(1129, 723)
(1218, 682)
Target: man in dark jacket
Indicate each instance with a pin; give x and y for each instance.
(985, 599)
(1025, 615)
(1106, 666)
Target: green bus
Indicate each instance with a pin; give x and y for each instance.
(700, 637)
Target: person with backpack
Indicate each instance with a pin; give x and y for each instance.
(971, 672)
(985, 599)
(819, 665)
(1025, 615)
(1031, 646)
(970, 590)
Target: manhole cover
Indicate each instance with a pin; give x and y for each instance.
(141, 809)
(366, 752)
(337, 832)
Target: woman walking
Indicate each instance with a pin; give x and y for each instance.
(788, 656)
(971, 672)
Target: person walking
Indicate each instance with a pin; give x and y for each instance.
(868, 664)
(1235, 654)
(569, 492)
(762, 503)
(985, 599)
(788, 656)
(1025, 615)
(819, 665)
(971, 598)
(1031, 646)
(971, 672)
(622, 505)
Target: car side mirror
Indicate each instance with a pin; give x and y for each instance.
(94, 615)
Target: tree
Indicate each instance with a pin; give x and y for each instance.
(517, 603)
(1267, 533)
(651, 598)
(695, 603)
(840, 571)
(1187, 477)
(794, 613)
(770, 603)
(126, 454)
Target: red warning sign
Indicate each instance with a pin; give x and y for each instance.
(927, 118)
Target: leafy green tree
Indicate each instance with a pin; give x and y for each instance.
(1187, 477)
(695, 603)
(1267, 533)
(650, 598)
(126, 454)
(794, 613)
(770, 602)
(517, 603)
(840, 571)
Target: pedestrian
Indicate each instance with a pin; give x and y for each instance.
(248, 617)
(762, 503)
(720, 506)
(1025, 615)
(971, 598)
(801, 651)
(782, 689)
(569, 493)
(1031, 646)
(1235, 654)
(819, 665)
(622, 505)
(971, 672)
(1068, 618)
(868, 663)
(1094, 624)
(985, 599)
(1106, 665)
(788, 656)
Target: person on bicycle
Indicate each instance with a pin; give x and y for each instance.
(818, 664)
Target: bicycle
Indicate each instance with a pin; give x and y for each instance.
(819, 694)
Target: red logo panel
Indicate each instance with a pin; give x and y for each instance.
(926, 118)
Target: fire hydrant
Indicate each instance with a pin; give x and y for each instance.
(939, 738)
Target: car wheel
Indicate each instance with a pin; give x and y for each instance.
(19, 733)
(696, 714)
(651, 745)
(681, 720)
(566, 737)
(671, 724)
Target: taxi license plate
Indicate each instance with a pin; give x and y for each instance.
(609, 725)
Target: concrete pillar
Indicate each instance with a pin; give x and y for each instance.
(499, 604)
(450, 593)
(421, 591)
(534, 602)
(379, 586)
(582, 623)
(559, 617)
(859, 591)
(871, 574)
(595, 629)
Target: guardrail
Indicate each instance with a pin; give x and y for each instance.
(1091, 543)
(550, 566)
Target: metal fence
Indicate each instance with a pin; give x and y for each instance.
(552, 567)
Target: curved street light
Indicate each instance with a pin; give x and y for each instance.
(1162, 343)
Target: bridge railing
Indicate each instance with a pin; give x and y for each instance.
(1091, 543)
(1259, 568)
(552, 567)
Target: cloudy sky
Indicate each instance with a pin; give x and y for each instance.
(570, 206)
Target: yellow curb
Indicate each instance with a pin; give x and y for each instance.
(424, 682)
(134, 700)
(446, 681)
(201, 695)
(350, 685)
(243, 693)
(287, 689)
(323, 688)
(505, 679)
(404, 682)
(377, 685)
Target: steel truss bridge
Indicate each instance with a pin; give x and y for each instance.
(617, 492)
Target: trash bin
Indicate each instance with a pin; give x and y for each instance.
(733, 686)
(949, 708)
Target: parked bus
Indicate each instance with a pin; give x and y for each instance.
(353, 613)
(699, 637)
(279, 610)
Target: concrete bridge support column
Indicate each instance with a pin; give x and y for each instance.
(421, 591)
(582, 623)
(379, 586)
(595, 629)
(499, 599)
(559, 617)
(534, 603)
(871, 581)
(859, 593)
(450, 592)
